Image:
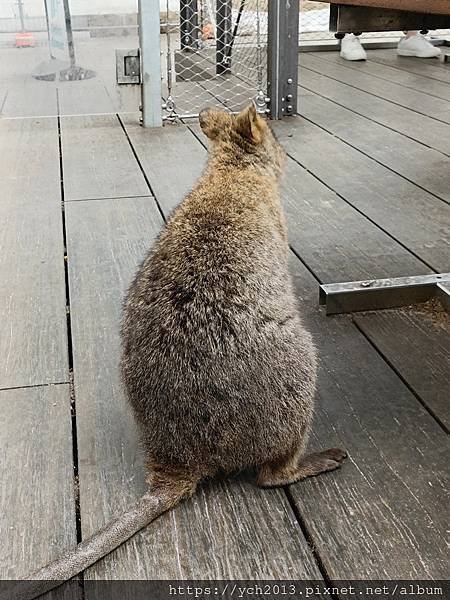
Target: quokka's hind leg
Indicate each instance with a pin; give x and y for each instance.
(173, 482)
(290, 469)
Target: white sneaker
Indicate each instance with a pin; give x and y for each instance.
(418, 46)
(351, 48)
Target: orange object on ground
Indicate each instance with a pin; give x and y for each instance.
(25, 39)
(208, 32)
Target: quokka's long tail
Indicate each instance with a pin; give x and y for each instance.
(116, 532)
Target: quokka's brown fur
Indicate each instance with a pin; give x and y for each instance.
(217, 365)
(219, 369)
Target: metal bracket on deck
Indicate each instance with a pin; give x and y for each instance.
(377, 294)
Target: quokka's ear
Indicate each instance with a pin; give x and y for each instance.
(213, 122)
(250, 125)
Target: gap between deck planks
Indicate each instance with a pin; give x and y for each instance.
(363, 78)
(390, 70)
(228, 530)
(361, 408)
(391, 149)
(37, 494)
(416, 342)
(33, 344)
(388, 200)
(117, 174)
(425, 68)
(412, 125)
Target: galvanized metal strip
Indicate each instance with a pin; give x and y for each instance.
(377, 294)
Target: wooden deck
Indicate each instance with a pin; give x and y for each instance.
(367, 193)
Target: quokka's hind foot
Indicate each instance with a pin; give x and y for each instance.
(289, 471)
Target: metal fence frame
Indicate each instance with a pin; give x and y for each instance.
(282, 53)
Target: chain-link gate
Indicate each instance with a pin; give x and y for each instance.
(214, 53)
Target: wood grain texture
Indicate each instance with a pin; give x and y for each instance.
(97, 160)
(171, 158)
(420, 128)
(363, 79)
(388, 70)
(423, 166)
(383, 514)
(33, 344)
(417, 343)
(425, 68)
(334, 240)
(37, 500)
(439, 7)
(228, 529)
(388, 200)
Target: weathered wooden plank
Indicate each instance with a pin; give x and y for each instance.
(387, 71)
(33, 345)
(227, 530)
(97, 160)
(414, 81)
(425, 68)
(337, 242)
(420, 102)
(37, 498)
(20, 91)
(439, 7)
(393, 203)
(171, 158)
(383, 515)
(344, 18)
(423, 166)
(421, 128)
(416, 342)
(26, 96)
(86, 97)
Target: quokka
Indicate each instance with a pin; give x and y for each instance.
(218, 368)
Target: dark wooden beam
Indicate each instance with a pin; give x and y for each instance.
(437, 7)
(345, 18)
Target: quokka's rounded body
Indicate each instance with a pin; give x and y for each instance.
(218, 368)
(217, 365)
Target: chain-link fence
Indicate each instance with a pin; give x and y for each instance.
(214, 53)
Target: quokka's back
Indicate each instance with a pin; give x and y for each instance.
(217, 365)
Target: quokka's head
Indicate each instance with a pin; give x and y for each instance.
(245, 136)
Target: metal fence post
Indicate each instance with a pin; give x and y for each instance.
(189, 28)
(223, 36)
(149, 39)
(282, 57)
